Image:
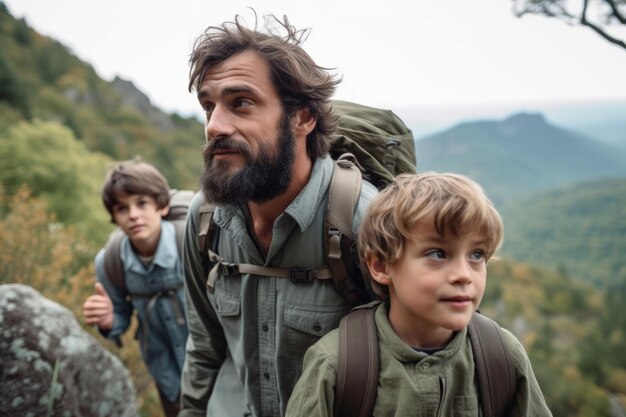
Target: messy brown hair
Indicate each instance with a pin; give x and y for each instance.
(300, 82)
(134, 177)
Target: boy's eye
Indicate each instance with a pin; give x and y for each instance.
(477, 255)
(119, 209)
(436, 254)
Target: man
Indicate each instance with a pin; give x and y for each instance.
(267, 170)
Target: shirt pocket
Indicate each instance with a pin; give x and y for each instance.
(305, 325)
(466, 406)
(228, 308)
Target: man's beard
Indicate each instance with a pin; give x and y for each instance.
(262, 177)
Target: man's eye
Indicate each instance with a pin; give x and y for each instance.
(436, 254)
(242, 102)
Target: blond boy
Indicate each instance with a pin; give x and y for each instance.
(425, 242)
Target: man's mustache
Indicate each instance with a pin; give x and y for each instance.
(224, 143)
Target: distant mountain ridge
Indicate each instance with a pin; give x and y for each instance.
(519, 155)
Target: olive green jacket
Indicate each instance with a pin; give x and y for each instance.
(412, 383)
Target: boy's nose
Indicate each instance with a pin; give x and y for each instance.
(460, 272)
(133, 211)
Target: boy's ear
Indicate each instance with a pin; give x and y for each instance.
(165, 211)
(303, 122)
(379, 270)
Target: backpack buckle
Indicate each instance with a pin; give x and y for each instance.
(229, 270)
(300, 275)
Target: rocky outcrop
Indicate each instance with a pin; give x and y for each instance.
(38, 336)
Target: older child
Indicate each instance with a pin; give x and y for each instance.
(137, 197)
(425, 241)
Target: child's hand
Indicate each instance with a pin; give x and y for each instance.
(98, 309)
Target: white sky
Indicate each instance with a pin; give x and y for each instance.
(427, 54)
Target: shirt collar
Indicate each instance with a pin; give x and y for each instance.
(165, 256)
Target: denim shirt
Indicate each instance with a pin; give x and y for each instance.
(247, 338)
(162, 332)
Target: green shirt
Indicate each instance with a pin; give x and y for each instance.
(413, 383)
(247, 339)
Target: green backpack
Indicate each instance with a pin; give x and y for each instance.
(369, 143)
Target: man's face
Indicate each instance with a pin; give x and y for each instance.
(250, 144)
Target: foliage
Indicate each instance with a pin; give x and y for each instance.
(556, 318)
(55, 166)
(42, 79)
(597, 15)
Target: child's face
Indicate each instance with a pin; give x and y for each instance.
(140, 218)
(436, 286)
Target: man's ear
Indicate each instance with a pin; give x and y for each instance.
(379, 270)
(303, 122)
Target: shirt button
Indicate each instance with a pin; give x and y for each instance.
(265, 328)
(426, 365)
(266, 375)
(317, 327)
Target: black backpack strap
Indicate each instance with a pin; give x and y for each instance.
(206, 232)
(495, 371)
(357, 376)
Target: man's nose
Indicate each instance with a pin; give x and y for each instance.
(219, 123)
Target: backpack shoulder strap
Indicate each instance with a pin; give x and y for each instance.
(358, 363)
(207, 226)
(343, 196)
(494, 367)
(112, 261)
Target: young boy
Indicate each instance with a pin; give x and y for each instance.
(137, 197)
(425, 241)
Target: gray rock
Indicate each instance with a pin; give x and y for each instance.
(37, 334)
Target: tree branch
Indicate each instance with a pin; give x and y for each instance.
(598, 29)
(616, 12)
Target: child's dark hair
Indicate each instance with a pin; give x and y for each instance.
(135, 177)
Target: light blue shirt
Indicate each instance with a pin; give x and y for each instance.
(162, 332)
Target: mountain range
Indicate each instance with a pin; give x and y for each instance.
(519, 155)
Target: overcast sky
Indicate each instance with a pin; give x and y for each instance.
(428, 54)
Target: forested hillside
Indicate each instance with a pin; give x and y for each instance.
(48, 96)
(519, 155)
(580, 230)
(61, 125)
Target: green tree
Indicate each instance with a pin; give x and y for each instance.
(598, 15)
(47, 158)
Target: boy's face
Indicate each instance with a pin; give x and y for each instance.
(140, 219)
(436, 286)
